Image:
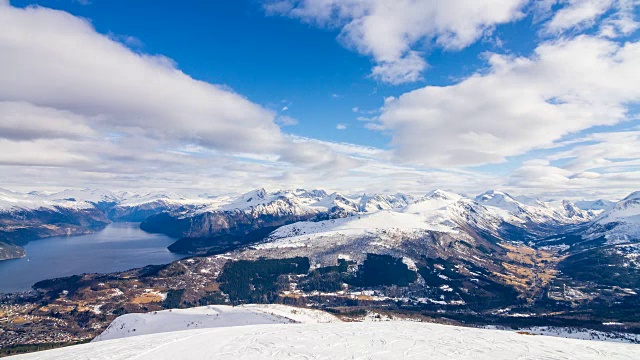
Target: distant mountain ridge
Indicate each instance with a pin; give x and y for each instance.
(259, 208)
(24, 217)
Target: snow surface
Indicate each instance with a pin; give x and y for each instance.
(620, 223)
(438, 211)
(347, 340)
(584, 334)
(302, 202)
(210, 317)
(595, 205)
(533, 210)
(358, 225)
(12, 201)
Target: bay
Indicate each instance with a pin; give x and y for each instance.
(118, 247)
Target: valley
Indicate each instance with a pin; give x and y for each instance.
(491, 260)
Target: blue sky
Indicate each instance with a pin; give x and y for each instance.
(273, 61)
(532, 97)
(276, 61)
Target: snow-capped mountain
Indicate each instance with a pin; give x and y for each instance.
(502, 201)
(441, 222)
(252, 211)
(493, 213)
(535, 218)
(338, 205)
(94, 196)
(595, 205)
(25, 217)
(259, 208)
(12, 201)
(371, 203)
(136, 207)
(620, 223)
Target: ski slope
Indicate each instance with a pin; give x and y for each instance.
(367, 340)
(210, 317)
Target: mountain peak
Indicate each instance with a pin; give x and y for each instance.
(633, 196)
(442, 194)
(495, 197)
(255, 194)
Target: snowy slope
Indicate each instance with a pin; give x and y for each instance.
(533, 211)
(367, 340)
(85, 199)
(372, 203)
(13, 201)
(438, 225)
(437, 199)
(357, 226)
(260, 201)
(89, 195)
(438, 211)
(620, 223)
(456, 211)
(210, 317)
(338, 205)
(595, 205)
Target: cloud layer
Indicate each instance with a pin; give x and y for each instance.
(394, 31)
(79, 108)
(517, 104)
(57, 62)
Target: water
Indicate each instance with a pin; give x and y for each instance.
(120, 246)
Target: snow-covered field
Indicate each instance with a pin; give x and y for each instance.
(210, 317)
(584, 334)
(367, 340)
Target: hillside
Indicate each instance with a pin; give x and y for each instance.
(206, 317)
(372, 340)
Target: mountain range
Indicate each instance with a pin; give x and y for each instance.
(202, 221)
(490, 259)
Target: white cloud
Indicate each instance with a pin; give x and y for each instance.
(341, 126)
(394, 31)
(80, 109)
(605, 165)
(41, 152)
(582, 14)
(577, 13)
(375, 126)
(55, 60)
(23, 121)
(284, 120)
(624, 21)
(518, 104)
(320, 157)
(398, 71)
(555, 182)
(602, 152)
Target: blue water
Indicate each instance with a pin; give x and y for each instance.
(120, 246)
